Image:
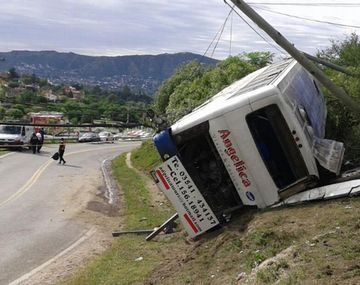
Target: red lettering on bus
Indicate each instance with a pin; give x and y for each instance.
(231, 152)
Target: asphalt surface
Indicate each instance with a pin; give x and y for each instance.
(37, 208)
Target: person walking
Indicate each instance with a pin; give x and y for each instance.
(34, 142)
(40, 135)
(61, 151)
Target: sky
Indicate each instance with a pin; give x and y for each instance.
(129, 27)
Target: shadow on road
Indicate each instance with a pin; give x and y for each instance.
(69, 165)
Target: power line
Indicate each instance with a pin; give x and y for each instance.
(212, 41)
(231, 26)
(307, 19)
(324, 4)
(216, 35)
(258, 33)
(221, 32)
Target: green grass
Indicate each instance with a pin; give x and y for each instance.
(266, 243)
(271, 274)
(315, 243)
(137, 199)
(117, 265)
(57, 141)
(146, 157)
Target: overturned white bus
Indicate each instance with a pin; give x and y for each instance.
(257, 142)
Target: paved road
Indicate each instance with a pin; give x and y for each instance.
(38, 202)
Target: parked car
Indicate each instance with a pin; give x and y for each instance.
(89, 137)
(106, 136)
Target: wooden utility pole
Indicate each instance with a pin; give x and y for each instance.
(300, 57)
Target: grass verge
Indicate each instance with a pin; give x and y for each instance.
(315, 243)
(119, 264)
(146, 157)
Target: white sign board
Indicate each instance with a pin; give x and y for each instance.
(195, 214)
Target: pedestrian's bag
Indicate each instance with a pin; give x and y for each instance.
(55, 156)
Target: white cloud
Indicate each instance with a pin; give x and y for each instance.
(112, 27)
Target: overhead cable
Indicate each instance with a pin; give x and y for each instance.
(306, 19)
(258, 33)
(219, 31)
(231, 26)
(323, 4)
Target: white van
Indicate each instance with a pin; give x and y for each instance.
(15, 136)
(255, 143)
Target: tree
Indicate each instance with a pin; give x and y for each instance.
(345, 52)
(14, 113)
(343, 124)
(43, 82)
(190, 92)
(258, 58)
(116, 113)
(26, 97)
(30, 79)
(13, 74)
(2, 94)
(2, 113)
(187, 72)
(88, 115)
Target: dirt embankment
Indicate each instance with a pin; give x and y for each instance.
(315, 243)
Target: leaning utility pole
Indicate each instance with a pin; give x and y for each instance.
(289, 47)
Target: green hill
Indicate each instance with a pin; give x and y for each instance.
(145, 72)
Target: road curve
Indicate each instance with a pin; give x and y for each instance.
(39, 200)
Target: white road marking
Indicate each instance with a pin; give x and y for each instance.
(38, 173)
(6, 154)
(26, 276)
(25, 188)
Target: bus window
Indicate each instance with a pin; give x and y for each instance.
(276, 146)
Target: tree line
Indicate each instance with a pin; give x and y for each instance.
(20, 95)
(193, 83)
(190, 85)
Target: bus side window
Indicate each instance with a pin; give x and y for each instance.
(23, 131)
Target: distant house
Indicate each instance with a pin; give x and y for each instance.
(47, 118)
(11, 92)
(78, 95)
(67, 90)
(74, 93)
(51, 97)
(31, 87)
